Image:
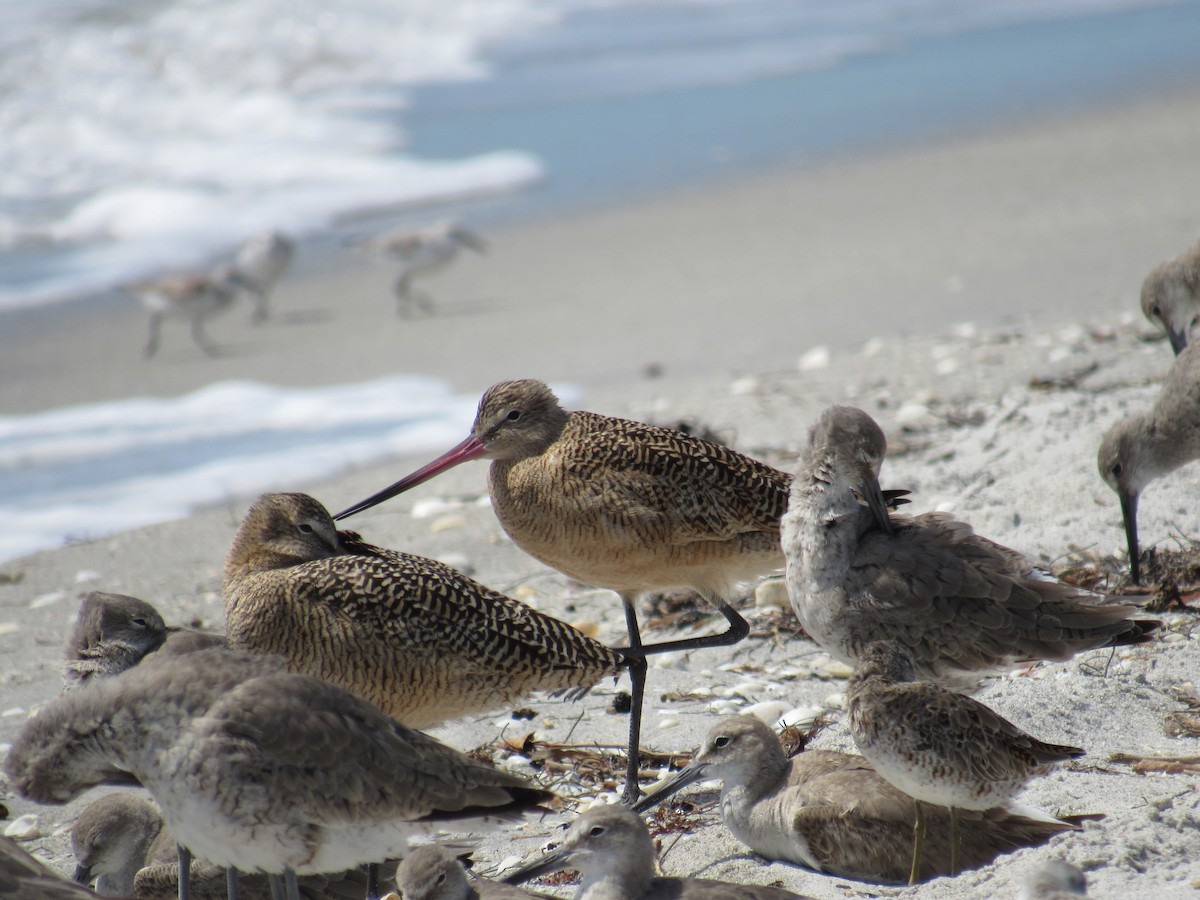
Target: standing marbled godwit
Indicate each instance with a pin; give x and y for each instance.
(1171, 296)
(259, 263)
(421, 641)
(1054, 879)
(939, 746)
(422, 252)
(196, 298)
(833, 813)
(257, 769)
(612, 849)
(621, 505)
(962, 605)
(434, 873)
(1142, 448)
(111, 633)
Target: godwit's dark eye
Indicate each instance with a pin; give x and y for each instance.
(721, 742)
(1155, 311)
(596, 831)
(514, 415)
(1116, 470)
(441, 879)
(139, 622)
(304, 528)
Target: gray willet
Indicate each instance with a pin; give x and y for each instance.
(257, 769)
(194, 298)
(621, 505)
(962, 605)
(259, 262)
(23, 877)
(612, 849)
(434, 873)
(1171, 296)
(1141, 448)
(833, 813)
(422, 252)
(1054, 879)
(116, 837)
(112, 633)
(939, 746)
(420, 640)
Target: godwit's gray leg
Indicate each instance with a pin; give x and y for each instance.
(290, 885)
(637, 692)
(914, 874)
(278, 892)
(231, 883)
(185, 871)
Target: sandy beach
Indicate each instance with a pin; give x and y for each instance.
(977, 296)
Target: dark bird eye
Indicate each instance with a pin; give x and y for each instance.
(304, 528)
(441, 879)
(597, 830)
(1116, 469)
(140, 622)
(721, 742)
(1154, 311)
(514, 415)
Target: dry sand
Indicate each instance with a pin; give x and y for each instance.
(1049, 229)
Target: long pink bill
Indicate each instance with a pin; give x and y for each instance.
(471, 448)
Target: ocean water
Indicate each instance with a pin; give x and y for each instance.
(142, 136)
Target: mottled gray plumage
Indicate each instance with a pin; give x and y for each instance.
(833, 813)
(1141, 448)
(621, 505)
(612, 849)
(1171, 296)
(22, 877)
(1053, 879)
(111, 633)
(961, 605)
(256, 768)
(196, 298)
(115, 837)
(434, 873)
(421, 641)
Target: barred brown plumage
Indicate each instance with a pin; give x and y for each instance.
(418, 639)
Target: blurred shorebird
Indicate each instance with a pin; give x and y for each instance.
(259, 262)
(961, 605)
(434, 873)
(1141, 448)
(195, 298)
(1054, 879)
(833, 813)
(1171, 296)
(421, 641)
(257, 769)
(422, 252)
(612, 849)
(621, 505)
(939, 746)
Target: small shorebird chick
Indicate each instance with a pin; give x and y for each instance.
(962, 605)
(420, 640)
(23, 877)
(1171, 296)
(196, 298)
(939, 746)
(1053, 879)
(257, 769)
(612, 849)
(111, 633)
(621, 505)
(422, 252)
(833, 813)
(114, 838)
(434, 873)
(259, 263)
(1137, 450)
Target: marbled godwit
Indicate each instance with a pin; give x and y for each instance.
(962, 605)
(1053, 879)
(833, 813)
(111, 633)
(1142, 448)
(257, 769)
(259, 263)
(1171, 296)
(434, 873)
(421, 641)
(621, 505)
(196, 298)
(422, 252)
(939, 746)
(611, 848)
(22, 877)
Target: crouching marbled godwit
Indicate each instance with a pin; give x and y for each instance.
(833, 813)
(962, 605)
(257, 769)
(1142, 448)
(422, 252)
(421, 641)
(434, 873)
(195, 298)
(259, 262)
(1171, 296)
(621, 505)
(612, 849)
(939, 746)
